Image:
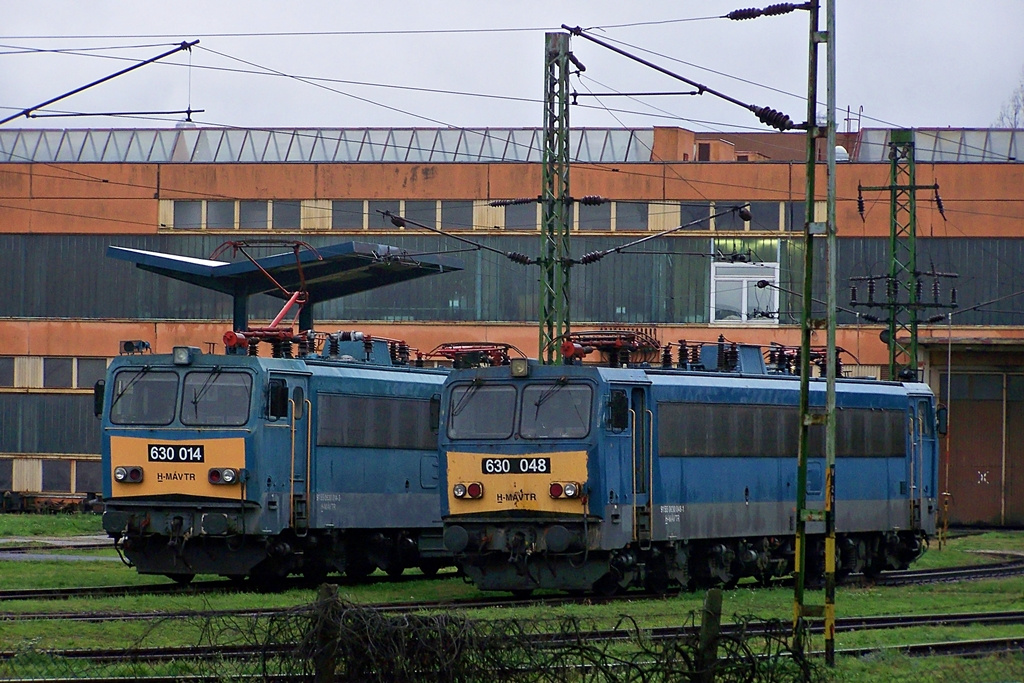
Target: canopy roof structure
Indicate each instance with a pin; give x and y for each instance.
(324, 273)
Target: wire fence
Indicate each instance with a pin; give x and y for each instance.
(332, 640)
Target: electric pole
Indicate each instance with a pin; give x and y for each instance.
(904, 288)
(556, 202)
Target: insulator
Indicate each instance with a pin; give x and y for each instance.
(666, 357)
(254, 346)
(935, 291)
(839, 365)
(860, 203)
(368, 348)
(682, 353)
(741, 14)
(333, 347)
(853, 294)
(396, 221)
(516, 257)
(591, 200)
(513, 202)
(393, 352)
(938, 204)
(779, 8)
(774, 118)
(871, 292)
(744, 213)
(695, 354)
(918, 290)
(870, 318)
(952, 297)
(892, 288)
(936, 319)
(286, 348)
(592, 257)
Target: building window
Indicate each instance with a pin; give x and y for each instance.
(457, 215)
(90, 370)
(521, 216)
(422, 212)
(188, 215)
(703, 151)
(695, 216)
(735, 296)
(731, 221)
(377, 221)
(795, 212)
(347, 215)
(252, 215)
(630, 215)
(57, 373)
(220, 215)
(764, 216)
(6, 371)
(596, 217)
(287, 214)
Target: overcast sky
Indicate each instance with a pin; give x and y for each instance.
(909, 63)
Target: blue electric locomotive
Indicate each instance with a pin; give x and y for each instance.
(242, 465)
(582, 477)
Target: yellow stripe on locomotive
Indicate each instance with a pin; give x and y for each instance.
(213, 468)
(536, 482)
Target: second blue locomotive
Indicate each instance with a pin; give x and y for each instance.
(591, 478)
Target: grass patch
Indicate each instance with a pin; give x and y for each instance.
(75, 524)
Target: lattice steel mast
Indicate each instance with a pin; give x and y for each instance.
(556, 202)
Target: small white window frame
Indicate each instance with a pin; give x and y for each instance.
(741, 275)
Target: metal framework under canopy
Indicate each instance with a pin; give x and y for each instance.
(326, 273)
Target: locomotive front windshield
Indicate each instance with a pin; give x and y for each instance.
(546, 411)
(480, 411)
(555, 411)
(144, 397)
(216, 398)
(147, 397)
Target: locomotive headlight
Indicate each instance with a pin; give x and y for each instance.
(555, 490)
(223, 475)
(128, 475)
(572, 490)
(459, 490)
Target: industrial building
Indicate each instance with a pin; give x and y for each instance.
(66, 195)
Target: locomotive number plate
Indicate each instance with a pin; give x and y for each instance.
(176, 452)
(516, 465)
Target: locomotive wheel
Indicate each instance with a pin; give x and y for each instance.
(359, 568)
(394, 570)
(181, 579)
(430, 568)
(314, 574)
(607, 586)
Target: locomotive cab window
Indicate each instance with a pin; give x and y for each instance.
(556, 411)
(277, 399)
(479, 411)
(216, 398)
(141, 396)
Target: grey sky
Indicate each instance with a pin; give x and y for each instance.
(907, 63)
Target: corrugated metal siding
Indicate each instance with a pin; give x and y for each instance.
(48, 423)
(54, 276)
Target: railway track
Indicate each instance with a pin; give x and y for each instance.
(844, 625)
(902, 578)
